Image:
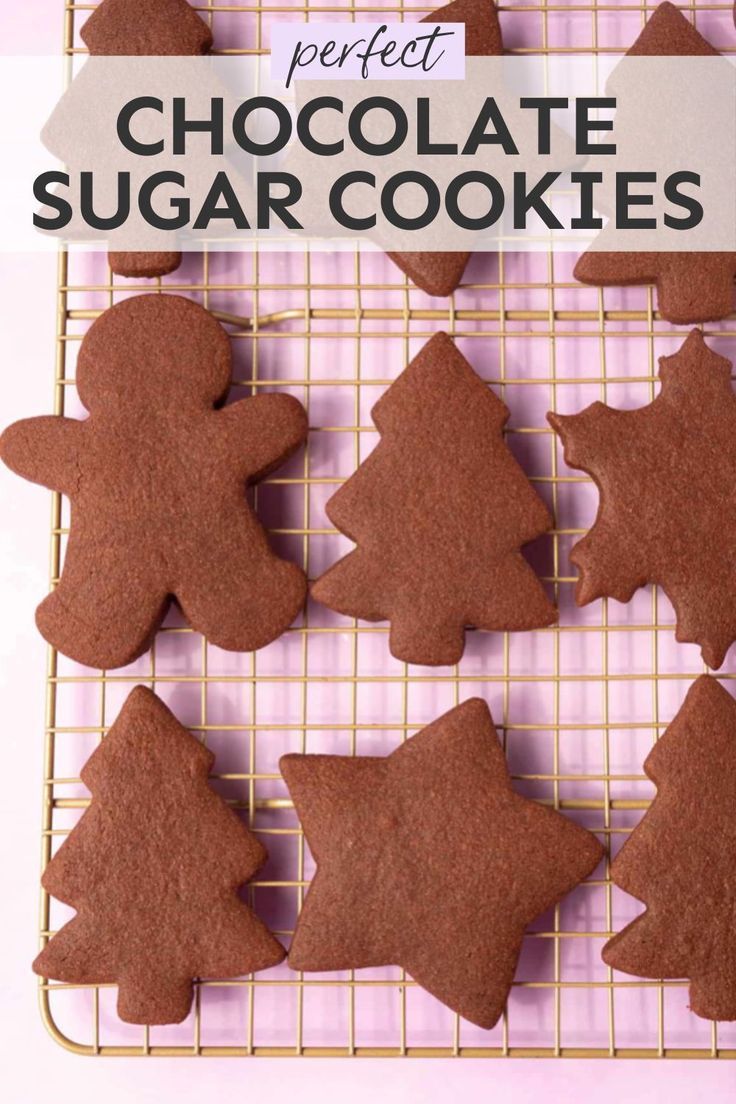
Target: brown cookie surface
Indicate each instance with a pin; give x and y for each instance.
(439, 511)
(156, 478)
(146, 28)
(441, 273)
(691, 287)
(667, 480)
(144, 265)
(153, 870)
(149, 28)
(428, 860)
(679, 859)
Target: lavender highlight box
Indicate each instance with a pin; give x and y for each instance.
(368, 51)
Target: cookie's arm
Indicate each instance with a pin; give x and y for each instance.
(263, 431)
(46, 451)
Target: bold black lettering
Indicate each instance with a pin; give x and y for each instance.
(481, 222)
(268, 203)
(180, 205)
(425, 145)
(388, 200)
(86, 203)
(525, 201)
(355, 125)
(544, 106)
(584, 125)
(266, 103)
(688, 203)
(125, 118)
(587, 219)
(42, 193)
(624, 200)
(337, 196)
(501, 135)
(221, 189)
(304, 123)
(182, 126)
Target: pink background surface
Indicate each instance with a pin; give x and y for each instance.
(32, 1068)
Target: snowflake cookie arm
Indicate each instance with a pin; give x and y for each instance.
(46, 450)
(606, 557)
(581, 435)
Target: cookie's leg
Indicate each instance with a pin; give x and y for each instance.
(713, 995)
(153, 1000)
(421, 631)
(244, 603)
(696, 287)
(102, 617)
(427, 637)
(144, 265)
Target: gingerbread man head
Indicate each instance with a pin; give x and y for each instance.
(161, 348)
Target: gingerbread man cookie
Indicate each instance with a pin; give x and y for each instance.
(157, 479)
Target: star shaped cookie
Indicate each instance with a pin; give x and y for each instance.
(427, 859)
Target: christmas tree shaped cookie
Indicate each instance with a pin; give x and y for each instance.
(157, 479)
(439, 512)
(153, 870)
(441, 273)
(680, 859)
(151, 28)
(667, 480)
(694, 286)
(427, 859)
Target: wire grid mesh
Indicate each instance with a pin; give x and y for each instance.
(577, 706)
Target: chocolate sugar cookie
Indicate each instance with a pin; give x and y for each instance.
(441, 273)
(150, 28)
(691, 287)
(157, 478)
(428, 860)
(679, 860)
(667, 480)
(439, 511)
(146, 28)
(153, 870)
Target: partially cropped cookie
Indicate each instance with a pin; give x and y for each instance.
(679, 860)
(441, 273)
(666, 475)
(146, 28)
(157, 481)
(149, 28)
(153, 869)
(439, 511)
(691, 287)
(428, 860)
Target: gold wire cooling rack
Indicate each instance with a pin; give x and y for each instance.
(554, 314)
